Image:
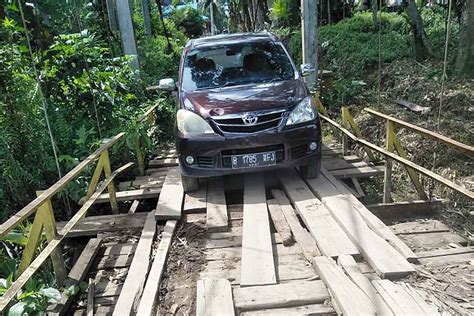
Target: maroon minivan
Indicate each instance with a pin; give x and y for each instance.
(243, 107)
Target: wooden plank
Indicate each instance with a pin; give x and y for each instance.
(155, 173)
(358, 187)
(350, 299)
(214, 296)
(77, 274)
(412, 106)
(53, 245)
(429, 309)
(234, 253)
(430, 241)
(133, 208)
(359, 172)
(171, 197)
(153, 283)
(445, 252)
(330, 238)
(302, 237)
(139, 194)
(114, 262)
(312, 309)
(138, 271)
(405, 210)
(279, 295)
(92, 225)
(448, 259)
(355, 274)
(167, 162)
(217, 218)
(196, 202)
(279, 222)
(142, 184)
(257, 252)
(90, 298)
(419, 227)
(395, 293)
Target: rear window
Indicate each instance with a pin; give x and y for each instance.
(236, 64)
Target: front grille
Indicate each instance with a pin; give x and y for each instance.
(206, 162)
(299, 151)
(235, 123)
(227, 154)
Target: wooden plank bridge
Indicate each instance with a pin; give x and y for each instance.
(266, 243)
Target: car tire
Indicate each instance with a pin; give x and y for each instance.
(311, 170)
(189, 184)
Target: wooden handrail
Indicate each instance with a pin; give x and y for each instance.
(463, 148)
(148, 112)
(36, 264)
(23, 214)
(401, 160)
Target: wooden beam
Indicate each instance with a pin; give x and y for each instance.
(150, 293)
(302, 236)
(140, 194)
(408, 209)
(214, 297)
(138, 271)
(23, 214)
(166, 162)
(133, 208)
(360, 172)
(397, 298)
(216, 218)
(170, 202)
(279, 222)
(196, 202)
(349, 298)
(36, 264)
(280, 295)
(330, 238)
(258, 266)
(403, 161)
(463, 148)
(310, 309)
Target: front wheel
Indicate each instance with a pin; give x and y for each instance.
(311, 170)
(189, 184)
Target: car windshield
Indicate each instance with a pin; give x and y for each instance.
(236, 64)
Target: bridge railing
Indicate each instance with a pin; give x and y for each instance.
(148, 118)
(44, 221)
(393, 146)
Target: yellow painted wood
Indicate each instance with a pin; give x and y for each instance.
(111, 186)
(319, 105)
(34, 239)
(345, 124)
(347, 117)
(140, 159)
(149, 119)
(96, 176)
(387, 180)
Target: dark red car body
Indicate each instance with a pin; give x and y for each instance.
(223, 108)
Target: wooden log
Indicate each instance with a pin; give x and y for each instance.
(279, 295)
(77, 274)
(257, 253)
(350, 299)
(301, 235)
(217, 218)
(330, 238)
(214, 297)
(152, 287)
(171, 198)
(279, 222)
(138, 271)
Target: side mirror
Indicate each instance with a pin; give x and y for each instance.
(307, 69)
(167, 84)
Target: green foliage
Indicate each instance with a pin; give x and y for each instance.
(189, 21)
(285, 13)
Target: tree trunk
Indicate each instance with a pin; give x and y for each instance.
(373, 7)
(422, 48)
(465, 59)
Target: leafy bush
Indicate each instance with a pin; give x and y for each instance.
(285, 13)
(189, 21)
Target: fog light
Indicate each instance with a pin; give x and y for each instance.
(313, 146)
(189, 160)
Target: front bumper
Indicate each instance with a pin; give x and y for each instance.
(212, 153)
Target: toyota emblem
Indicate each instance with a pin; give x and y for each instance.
(250, 119)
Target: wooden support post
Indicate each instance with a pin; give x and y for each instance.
(319, 105)
(140, 158)
(349, 120)
(127, 33)
(344, 137)
(387, 179)
(309, 39)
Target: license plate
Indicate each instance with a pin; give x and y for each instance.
(253, 160)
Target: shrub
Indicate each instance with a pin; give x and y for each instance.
(189, 21)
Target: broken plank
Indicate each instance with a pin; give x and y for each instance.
(150, 293)
(393, 292)
(257, 252)
(350, 299)
(280, 295)
(330, 238)
(196, 202)
(214, 296)
(302, 237)
(138, 271)
(359, 172)
(92, 225)
(77, 274)
(279, 222)
(351, 268)
(170, 202)
(312, 309)
(139, 194)
(217, 218)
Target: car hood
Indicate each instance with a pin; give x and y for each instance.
(245, 98)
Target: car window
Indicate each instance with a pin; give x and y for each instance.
(236, 64)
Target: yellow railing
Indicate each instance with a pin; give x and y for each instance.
(393, 146)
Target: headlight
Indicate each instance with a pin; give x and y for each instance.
(305, 111)
(192, 124)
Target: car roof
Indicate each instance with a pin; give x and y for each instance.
(223, 39)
